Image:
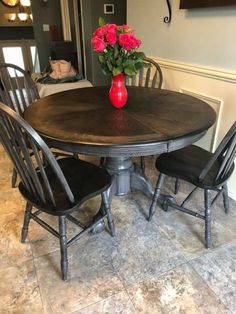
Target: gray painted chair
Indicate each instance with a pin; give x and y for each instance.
(205, 170)
(18, 91)
(50, 185)
(147, 77)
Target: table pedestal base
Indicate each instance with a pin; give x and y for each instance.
(126, 177)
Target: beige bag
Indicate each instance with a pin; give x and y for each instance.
(61, 69)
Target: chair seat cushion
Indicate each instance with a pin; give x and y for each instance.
(187, 164)
(84, 179)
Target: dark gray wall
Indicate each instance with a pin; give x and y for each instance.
(92, 10)
(46, 13)
(16, 32)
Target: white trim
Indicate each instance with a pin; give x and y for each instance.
(65, 17)
(83, 39)
(77, 36)
(214, 73)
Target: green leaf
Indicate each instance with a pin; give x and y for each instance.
(105, 69)
(129, 63)
(101, 59)
(140, 55)
(130, 71)
(109, 65)
(101, 21)
(116, 51)
(119, 61)
(138, 65)
(116, 71)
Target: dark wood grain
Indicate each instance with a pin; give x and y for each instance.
(80, 118)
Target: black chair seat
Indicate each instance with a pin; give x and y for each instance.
(205, 170)
(187, 164)
(57, 187)
(84, 179)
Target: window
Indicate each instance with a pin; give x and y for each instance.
(13, 55)
(22, 53)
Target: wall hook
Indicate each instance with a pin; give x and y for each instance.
(167, 19)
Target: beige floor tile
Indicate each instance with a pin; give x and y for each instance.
(180, 290)
(143, 251)
(12, 251)
(12, 202)
(19, 291)
(91, 276)
(218, 269)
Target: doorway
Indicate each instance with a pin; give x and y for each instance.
(22, 53)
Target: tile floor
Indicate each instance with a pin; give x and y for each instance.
(156, 267)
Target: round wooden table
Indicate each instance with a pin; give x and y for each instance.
(152, 122)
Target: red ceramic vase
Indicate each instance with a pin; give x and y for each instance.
(118, 93)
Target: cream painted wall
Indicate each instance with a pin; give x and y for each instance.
(199, 36)
(197, 54)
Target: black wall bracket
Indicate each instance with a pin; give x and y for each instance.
(167, 19)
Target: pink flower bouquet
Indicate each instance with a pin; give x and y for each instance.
(117, 47)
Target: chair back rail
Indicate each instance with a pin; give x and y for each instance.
(151, 77)
(17, 89)
(29, 153)
(225, 152)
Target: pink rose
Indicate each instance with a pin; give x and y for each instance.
(101, 31)
(129, 42)
(98, 44)
(111, 38)
(111, 28)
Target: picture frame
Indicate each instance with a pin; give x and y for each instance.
(191, 4)
(109, 8)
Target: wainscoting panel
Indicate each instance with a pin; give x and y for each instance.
(209, 140)
(217, 87)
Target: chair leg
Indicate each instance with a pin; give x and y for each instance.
(14, 178)
(102, 161)
(106, 205)
(25, 227)
(63, 246)
(226, 198)
(207, 202)
(142, 164)
(156, 195)
(177, 185)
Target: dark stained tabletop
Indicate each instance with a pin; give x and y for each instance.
(153, 121)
